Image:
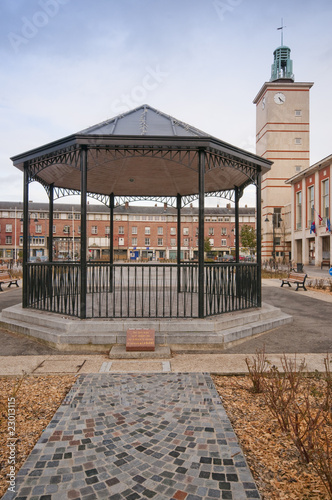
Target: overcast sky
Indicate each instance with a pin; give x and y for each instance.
(69, 64)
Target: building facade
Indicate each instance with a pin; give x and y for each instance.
(140, 232)
(282, 136)
(311, 213)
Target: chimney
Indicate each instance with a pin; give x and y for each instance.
(217, 206)
(228, 206)
(127, 205)
(191, 205)
(165, 206)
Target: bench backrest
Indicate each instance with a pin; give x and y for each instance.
(5, 276)
(297, 276)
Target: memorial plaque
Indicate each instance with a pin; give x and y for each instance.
(140, 340)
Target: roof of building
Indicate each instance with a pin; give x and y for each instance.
(131, 209)
(310, 170)
(144, 120)
(142, 153)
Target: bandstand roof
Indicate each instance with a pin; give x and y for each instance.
(144, 153)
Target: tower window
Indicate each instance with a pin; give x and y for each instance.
(298, 140)
(298, 168)
(298, 112)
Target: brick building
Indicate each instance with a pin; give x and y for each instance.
(140, 232)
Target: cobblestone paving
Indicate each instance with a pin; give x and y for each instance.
(132, 436)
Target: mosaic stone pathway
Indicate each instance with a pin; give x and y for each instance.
(132, 436)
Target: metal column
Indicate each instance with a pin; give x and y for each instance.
(25, 235)
(259, 238)
(178, 255)
(237, 236)
(201, 172)
(84, 178)
(50, 223)
(111, 248)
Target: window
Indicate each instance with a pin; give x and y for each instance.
(173, 231)
(211, 242)
(160, 242)
(173, 242)
(70, 215)
(223, 243)
(42, 215)
(185, 242)
(277, 240)
(94, 230)
(211, 231)
(8, 240)
(134, 242)
(226, 219)
(277, 217)
(107, 230)
(66, 229)
(147, 230)
(186, 231)
(299, 210)
(77, 216)
(118, 217)
(298, 112)
(56, 216)
(134, 230)
(54, 229)
(137, 217)
(147, 242)
(160, 230)
(38, 228)
(298, 140)
(298, 168)
(163, 217)
(325, 200)
(311, 200)
(220, 219)
(224, 230)
(9, 228)
(207, 219)
(121, 229)
(150, 217)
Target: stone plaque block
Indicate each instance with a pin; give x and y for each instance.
(140, 340)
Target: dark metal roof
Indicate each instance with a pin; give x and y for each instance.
(143, 153)
(144, 120)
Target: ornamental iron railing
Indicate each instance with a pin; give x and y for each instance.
(133, 290)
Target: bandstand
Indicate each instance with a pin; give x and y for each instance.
(141, 155)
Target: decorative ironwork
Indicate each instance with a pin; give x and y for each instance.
(142, 290)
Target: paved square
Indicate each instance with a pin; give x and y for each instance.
(131, 436)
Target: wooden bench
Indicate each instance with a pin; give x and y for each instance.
(294, 277)
(325, 262)
(5, 277)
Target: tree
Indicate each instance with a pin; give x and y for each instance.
(248, 237)
(207, 245)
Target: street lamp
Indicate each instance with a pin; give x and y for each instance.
(275, 219)
(35, 220)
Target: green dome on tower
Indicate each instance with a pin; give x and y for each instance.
(282, 67)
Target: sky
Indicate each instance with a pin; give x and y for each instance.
(69, 64)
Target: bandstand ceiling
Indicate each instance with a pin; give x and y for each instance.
(142, 153)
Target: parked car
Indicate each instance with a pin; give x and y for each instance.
(226, 258)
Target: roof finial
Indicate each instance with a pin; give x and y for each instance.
(282, 31)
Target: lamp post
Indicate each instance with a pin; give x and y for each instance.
(275, 220)
(29, 238)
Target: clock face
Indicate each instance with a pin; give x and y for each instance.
(279, 98)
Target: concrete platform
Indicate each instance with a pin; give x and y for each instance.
(95, 335)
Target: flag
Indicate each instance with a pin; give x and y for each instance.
(328, 225)
(313, 228)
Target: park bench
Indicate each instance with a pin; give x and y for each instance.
(325, 262)
(294, 277)
(5, 277)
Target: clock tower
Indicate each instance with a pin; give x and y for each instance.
(282, 136)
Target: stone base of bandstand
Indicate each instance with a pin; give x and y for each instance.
(180, 335)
